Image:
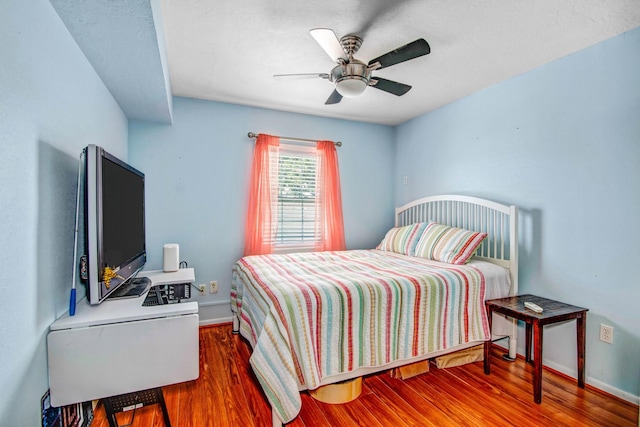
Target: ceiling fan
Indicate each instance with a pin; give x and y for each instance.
(351, 76)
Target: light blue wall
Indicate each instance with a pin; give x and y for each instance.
(563, 143)
(52, 104)
(197, 174)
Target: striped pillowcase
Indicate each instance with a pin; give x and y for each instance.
(448, 244)
(402, 240)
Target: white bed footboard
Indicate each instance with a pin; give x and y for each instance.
(499, 221)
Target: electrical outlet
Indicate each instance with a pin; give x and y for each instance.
(606, 333)
(213, 286)
(202, 289)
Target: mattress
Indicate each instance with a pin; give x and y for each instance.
(497, 279)
(312, 316)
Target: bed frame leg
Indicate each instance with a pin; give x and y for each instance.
(275, 419)
(236, 325)
(513, 343)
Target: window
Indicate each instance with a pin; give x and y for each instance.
(296, 214)
(295, 202)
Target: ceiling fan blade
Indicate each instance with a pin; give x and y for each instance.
(390, 86)
(304, 75)
(409, 51)
(334, 98)
(327, 39)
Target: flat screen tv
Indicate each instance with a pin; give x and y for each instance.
(114, 223)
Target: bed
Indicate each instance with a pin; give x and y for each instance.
(314, 319)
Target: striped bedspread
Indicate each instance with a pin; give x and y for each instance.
(309, 316)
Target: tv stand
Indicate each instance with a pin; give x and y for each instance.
(119, 346)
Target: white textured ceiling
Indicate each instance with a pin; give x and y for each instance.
(125, 45)
(228, 51)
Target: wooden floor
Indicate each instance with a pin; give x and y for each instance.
(227, 394)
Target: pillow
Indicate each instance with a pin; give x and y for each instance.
(402, 240)
(448, 244)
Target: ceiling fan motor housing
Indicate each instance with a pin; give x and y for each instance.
(351, 44)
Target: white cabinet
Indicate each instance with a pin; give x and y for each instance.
(120, 346)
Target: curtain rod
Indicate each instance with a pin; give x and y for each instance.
(255, 135)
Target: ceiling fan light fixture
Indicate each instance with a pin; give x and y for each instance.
(351, 86)
(351, 78)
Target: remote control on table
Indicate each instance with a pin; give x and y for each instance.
(533, 307)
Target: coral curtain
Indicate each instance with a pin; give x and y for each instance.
(261, 224)
(329, 221)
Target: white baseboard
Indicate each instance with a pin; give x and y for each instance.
(593, 382)
(218, 321)
(215, 312)
(573, 373)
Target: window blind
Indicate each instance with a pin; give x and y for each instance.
(296, 195)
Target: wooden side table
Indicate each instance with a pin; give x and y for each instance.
(554, 312)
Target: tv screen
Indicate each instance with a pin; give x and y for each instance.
(114, 223)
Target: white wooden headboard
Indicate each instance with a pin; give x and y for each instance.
(499, 221)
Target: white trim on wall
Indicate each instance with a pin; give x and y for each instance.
(215, 312)
(573, 373)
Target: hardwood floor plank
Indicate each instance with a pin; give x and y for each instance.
(466, 406)
(210, 385)
(353, 413)
(256, 404)
(310, 414)
(414, 389)
(376, 409)
(488, 395)
(227, 393)
(518, 392)
(413, 415)
(582, 399)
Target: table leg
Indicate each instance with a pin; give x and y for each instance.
(537, 362)
(527, 343)
(487, 344)
(111, 415)
(580, 326)
(163, 406)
